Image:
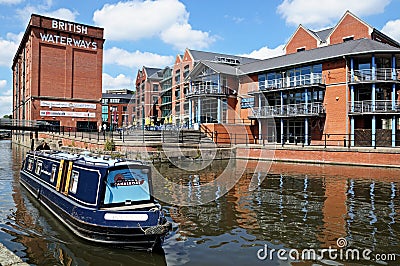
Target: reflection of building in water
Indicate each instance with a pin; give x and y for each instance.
(373, 209)
(298, 206)
(25, 220)
(334, 211)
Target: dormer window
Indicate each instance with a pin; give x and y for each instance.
(301, 49)
(349, 38)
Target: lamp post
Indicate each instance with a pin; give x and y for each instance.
(88, 122)
(143, 120)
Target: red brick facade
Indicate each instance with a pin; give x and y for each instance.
(57, 73)
(349, 26)
(301, 39)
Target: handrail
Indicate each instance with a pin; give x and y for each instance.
(379, 74)
(369, 106)
(294, 81)
(289, 110)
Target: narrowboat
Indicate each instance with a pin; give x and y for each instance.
(98, 198)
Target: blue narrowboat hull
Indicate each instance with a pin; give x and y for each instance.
(141, 225)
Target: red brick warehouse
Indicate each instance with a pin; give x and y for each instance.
(57, 73)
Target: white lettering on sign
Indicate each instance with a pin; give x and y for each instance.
(68, 26)
(67, 41)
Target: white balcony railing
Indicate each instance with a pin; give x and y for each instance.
(209, 89)
(380, 106)
(380, 74)
(302, 109)
(296, 81)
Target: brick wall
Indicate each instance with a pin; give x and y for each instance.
(301, 38)
(349, 26)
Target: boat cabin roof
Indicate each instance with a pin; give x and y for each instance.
(87, 158)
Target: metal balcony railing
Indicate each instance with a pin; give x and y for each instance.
(209, 89)
(296, 81)
(380, 74)
(290, 110)
(380, 106)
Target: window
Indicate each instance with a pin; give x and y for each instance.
(346, 39)
(155, 87)
(30, 164)
(178, 76)
(127, 185)
(53, 173)
(155, 99)
(73, 186)
(300, 49)
(185, 71)
(261, 82)
(38, 169)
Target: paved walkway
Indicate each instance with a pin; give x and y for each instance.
(8, 258)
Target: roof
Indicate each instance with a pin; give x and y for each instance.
(356, 47)
(322, 34)
(151, 72)
(216, 66)
(117, 96)
(209, 56)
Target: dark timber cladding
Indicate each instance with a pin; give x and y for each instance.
(57, 73)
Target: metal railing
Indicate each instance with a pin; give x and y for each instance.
(380, 74)
(204, 89)
(368, 106)
(306, 109)
(295, 81)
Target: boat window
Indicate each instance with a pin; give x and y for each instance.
(30, 164)
(127, 185)
(53, 172)
(38, 169)
(74, 182)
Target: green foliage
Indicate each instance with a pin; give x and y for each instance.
(109, 145)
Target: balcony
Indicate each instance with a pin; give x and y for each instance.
(209, 90)
(308, 80)
(380, 107)
(380, 74)
(290, 110)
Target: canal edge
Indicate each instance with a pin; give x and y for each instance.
(8, 258)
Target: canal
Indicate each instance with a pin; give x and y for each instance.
(294, 210)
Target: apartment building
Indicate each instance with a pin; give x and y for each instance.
(147, 96)
(118, 108)
(179, 103)
(340, 83)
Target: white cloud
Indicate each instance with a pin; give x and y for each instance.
(322, 13)
(182, 36)
(265, 52)
(117, 56)
(45, 10)
(3, 83)
(391, 29)
(8, 48)
(134, 20)
(119, 82)
(10, 2)
(5, 105)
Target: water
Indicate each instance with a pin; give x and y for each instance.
(295, 207)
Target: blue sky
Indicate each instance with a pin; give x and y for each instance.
(153, 32)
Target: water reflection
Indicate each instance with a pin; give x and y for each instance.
(294, 206)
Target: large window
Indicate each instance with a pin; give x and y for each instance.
(127, 185)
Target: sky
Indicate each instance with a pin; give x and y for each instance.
(152, 32)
